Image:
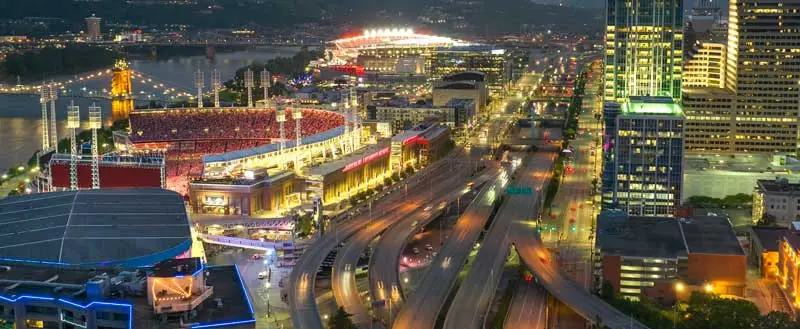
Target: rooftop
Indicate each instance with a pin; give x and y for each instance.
(640, 237)
(710, 235)
(97, 228)
(129, 289)
(778, 186)
(339, 164)
(661, 237)
(651, 105)
(696, 92)
(769, 236)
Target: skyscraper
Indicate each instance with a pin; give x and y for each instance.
(763, 71)
(643, 156)
(644, 40)
(93, 28)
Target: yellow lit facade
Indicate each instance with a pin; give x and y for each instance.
(706, 66)
(643, 49)
(763, 70)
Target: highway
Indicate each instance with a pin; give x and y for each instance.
(343, 280)
(384, 267)
(536, 257)
(474, 296)
(302, 302)
(528, 309)
(422, 308)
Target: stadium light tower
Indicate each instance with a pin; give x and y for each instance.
(266, 82)
(53, 128)
(199, 83)
(44, 97)
(248, 83)
(297, 114)
(73, 123)
(215, 83)
(280, 116)
(94, 124)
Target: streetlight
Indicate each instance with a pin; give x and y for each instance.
(709, 287)
(679, 288)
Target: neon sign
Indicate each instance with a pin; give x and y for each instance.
(411, 140)
(364, 160)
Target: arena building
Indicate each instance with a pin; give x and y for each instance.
(241, 136)
(268, 192)
(404, 52)
(83, 259)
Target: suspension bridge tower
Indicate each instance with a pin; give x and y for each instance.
(121, 91)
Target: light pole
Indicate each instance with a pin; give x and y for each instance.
(679, 287)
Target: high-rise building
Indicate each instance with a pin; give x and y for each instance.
(93, 28)
(708, 119)
(643, 156)
(644, 56)
(759, 113)
(763, 71)
(705, 66)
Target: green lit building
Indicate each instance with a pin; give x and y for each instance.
(643, 156)
(644, 42)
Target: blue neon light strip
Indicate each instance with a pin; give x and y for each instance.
(64, 301)
(244, 289)
(14, 260)
(223, 324)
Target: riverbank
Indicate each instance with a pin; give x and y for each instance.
(41, 64)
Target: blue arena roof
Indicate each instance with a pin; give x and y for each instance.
(94, 228)
(273, 147)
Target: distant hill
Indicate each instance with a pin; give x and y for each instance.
(490, 16)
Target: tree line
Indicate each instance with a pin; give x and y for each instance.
(38, 64)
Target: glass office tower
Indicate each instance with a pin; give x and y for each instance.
(643, 156)
(644, 42)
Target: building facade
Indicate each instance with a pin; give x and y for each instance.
(763, 69)
(643, 156)
(93, 28)
(778, 199)
(644, 49)
(705, 66)
(708, 119)
(489, 61)
(649, 256)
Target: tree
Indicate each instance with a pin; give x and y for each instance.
(712, 311)
(777, 320)
(607, 291)
(341, 320)
(409, 170)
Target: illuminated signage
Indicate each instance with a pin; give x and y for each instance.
(410, 140)
(367, 159)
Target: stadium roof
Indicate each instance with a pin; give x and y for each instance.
(94, 228)
(395, 38)
(273, 147)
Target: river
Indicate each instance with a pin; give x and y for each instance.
(20, 115)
